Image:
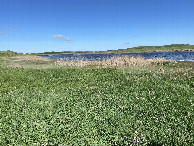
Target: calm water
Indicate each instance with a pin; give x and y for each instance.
(179, 56)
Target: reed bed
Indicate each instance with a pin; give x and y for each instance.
(121, 61)
(29, 61)
(30, 58)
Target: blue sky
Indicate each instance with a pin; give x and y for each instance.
(80, 25)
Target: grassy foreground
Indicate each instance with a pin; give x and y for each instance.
(150, 105)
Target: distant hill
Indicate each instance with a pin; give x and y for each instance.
(165, 48)
(139, 49)
(8, 53)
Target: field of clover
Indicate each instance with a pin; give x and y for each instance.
(96, 106)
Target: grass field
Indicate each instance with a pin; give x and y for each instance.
(44, 103)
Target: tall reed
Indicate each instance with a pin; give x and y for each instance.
(120, 61)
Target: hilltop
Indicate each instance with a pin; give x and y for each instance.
(139, 49)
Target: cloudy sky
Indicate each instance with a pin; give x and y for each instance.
(72, 25)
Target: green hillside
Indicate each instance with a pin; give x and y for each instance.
(7, 53)
(165, 48)
(139, 49)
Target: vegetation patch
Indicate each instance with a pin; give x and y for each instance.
(27, 61)
(146, 105)
(121, 61)
(8, 53)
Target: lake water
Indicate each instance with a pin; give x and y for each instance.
(179, 56)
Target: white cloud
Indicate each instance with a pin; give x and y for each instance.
(13, 30)
(2, 33)
(61, 37)
(126, 43)
(9, 28)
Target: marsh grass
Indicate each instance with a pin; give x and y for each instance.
(121, 61)
(38, 62)
(28, 61)
(30, 58)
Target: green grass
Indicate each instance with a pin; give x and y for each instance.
(7, 53)
(90, 106)
(26, 61)
(165, 48)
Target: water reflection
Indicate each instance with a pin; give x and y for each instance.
(179, 56)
